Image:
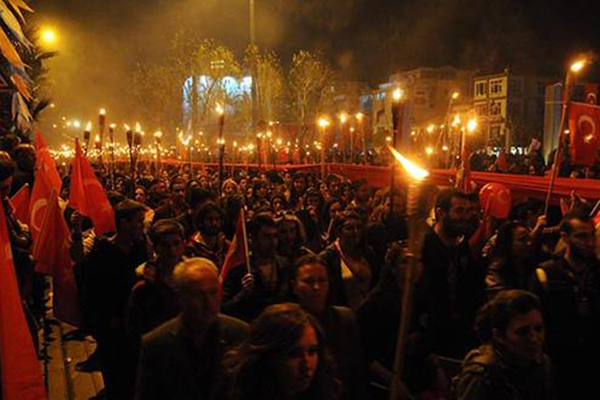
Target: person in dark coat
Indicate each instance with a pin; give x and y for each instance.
(452, 284)
(111, 273)
(510, 364)
(311, 288)
(153, 300)
(245, 294)
(569, 288)
(181, 359)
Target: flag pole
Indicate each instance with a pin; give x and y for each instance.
(574, 68)
(245, 239)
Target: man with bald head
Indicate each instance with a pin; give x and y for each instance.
(181, 359)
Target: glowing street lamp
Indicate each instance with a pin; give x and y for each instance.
(49, 36)
(472, 125)
(323, 124)
(576, 67)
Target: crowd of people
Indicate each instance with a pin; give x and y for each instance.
(503, 308)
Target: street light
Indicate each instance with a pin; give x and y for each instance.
(323, 124)
(575, 68)
(472, 125)
(49, 36)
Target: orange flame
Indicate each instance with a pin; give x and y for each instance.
(413, 169)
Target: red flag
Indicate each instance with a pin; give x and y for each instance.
(87, 195)
(42, 189)
(584, 127)
(21, 370)
(238, 251)
(20, 203)
(45, 161)
(52, 256)
(502, 164)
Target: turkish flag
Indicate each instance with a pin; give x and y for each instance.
(87, 194)
(584, 127)
(21, 370)
(238, 251)
(45, 161)
(52, 257)
(42, 189)
(20, 203)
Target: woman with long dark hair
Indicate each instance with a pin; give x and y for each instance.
(284, 358)
(347, 262)
(513, 259)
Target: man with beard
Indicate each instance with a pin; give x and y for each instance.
(209, 242)
(175, 206)
(451, 287)
(245, 295)
(569, 289)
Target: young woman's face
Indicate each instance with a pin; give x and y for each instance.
(350, 232)
(300, 364)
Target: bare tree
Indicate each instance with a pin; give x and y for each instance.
(310, 80)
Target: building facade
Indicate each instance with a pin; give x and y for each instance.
(509, 109)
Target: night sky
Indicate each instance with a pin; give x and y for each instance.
(368, 40)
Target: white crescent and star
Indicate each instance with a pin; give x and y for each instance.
(586, 119)
(37, 206)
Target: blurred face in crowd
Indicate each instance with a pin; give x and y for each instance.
(289, 233)
(300, 364)
(335, 210)
(203, 182)
(159, 187)
(581, 239)
(277, 204)
(334, 187)
(140, 195)
(266, 241)
(229, 189)
(212, 224)
(169, 248)
(455, 221)
(134, 226)
(521, 244)
(243, 184)
(350, 232)
(524, 337)
(200, 300)
(363, 194)
(300, 184)
(261, 191)
(26, 157)
(287, 178)
(312, 287)
(178, 193)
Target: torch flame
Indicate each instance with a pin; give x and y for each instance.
(414, 170)
(397, 94)
(88, 127)
(323, 122)
(220, 109)
(102, 111)
(127, 128)
(137, 127)
(98, 138)
(113, 126)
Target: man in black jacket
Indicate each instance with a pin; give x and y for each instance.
(452, 283)
(569, 289)
(181, 359)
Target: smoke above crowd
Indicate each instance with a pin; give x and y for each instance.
(101, 42)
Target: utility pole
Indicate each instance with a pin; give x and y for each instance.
(254, 50)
